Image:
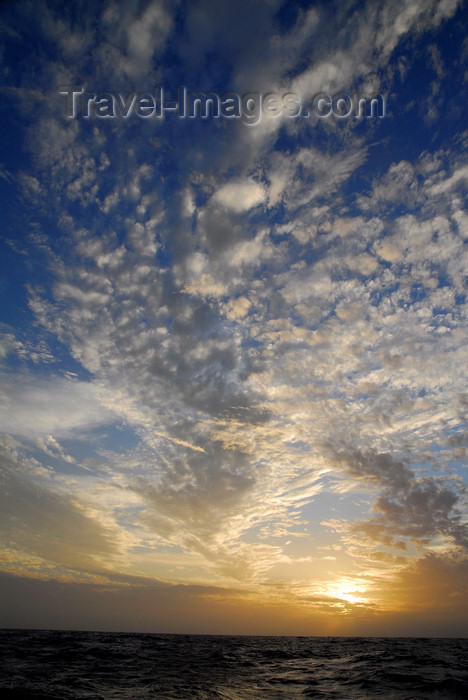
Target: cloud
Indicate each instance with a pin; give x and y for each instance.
(434, 586)
(38, 408)
(141, 605)
(419, 508)
(47, 524)
(240, 196)
(270, 320)
(389, 252)
(51, 447)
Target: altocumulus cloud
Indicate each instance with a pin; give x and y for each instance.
(235, 355)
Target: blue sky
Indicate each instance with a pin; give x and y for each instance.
(233, 355)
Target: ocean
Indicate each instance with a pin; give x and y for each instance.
(40, 665)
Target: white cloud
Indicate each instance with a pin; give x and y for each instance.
(240, 196)
(389, 252)
(38, 408)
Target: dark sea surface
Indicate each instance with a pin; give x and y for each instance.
(94, 665)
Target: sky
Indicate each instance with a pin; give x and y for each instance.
(233, 335)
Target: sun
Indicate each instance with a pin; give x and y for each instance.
(347, 590)
(349, 597)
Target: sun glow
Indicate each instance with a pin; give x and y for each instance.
(347, 590)
(349, 597)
